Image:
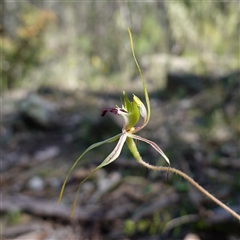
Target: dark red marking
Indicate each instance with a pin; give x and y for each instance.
(112, 110)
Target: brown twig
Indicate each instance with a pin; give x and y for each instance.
(195, 184)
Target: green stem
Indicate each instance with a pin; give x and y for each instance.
(195, 184)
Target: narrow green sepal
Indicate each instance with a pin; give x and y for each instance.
(143, 80)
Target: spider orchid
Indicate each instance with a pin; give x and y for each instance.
(131, 112)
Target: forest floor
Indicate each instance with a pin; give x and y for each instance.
(44, 132)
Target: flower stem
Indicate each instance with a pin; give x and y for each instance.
(195, 184)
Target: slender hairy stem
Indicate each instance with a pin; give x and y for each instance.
(195, 184)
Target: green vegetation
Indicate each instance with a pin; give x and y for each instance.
(87, 44)
(24, 49)
(77, 56)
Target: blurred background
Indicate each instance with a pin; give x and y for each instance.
(63, 62)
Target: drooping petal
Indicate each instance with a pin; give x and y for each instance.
(110, 158)
(115, 153)
(153, 144)
(112, 139)
(133, 148)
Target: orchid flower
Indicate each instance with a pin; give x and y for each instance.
(131, 111)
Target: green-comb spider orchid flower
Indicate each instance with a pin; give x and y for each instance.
(131, 112)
